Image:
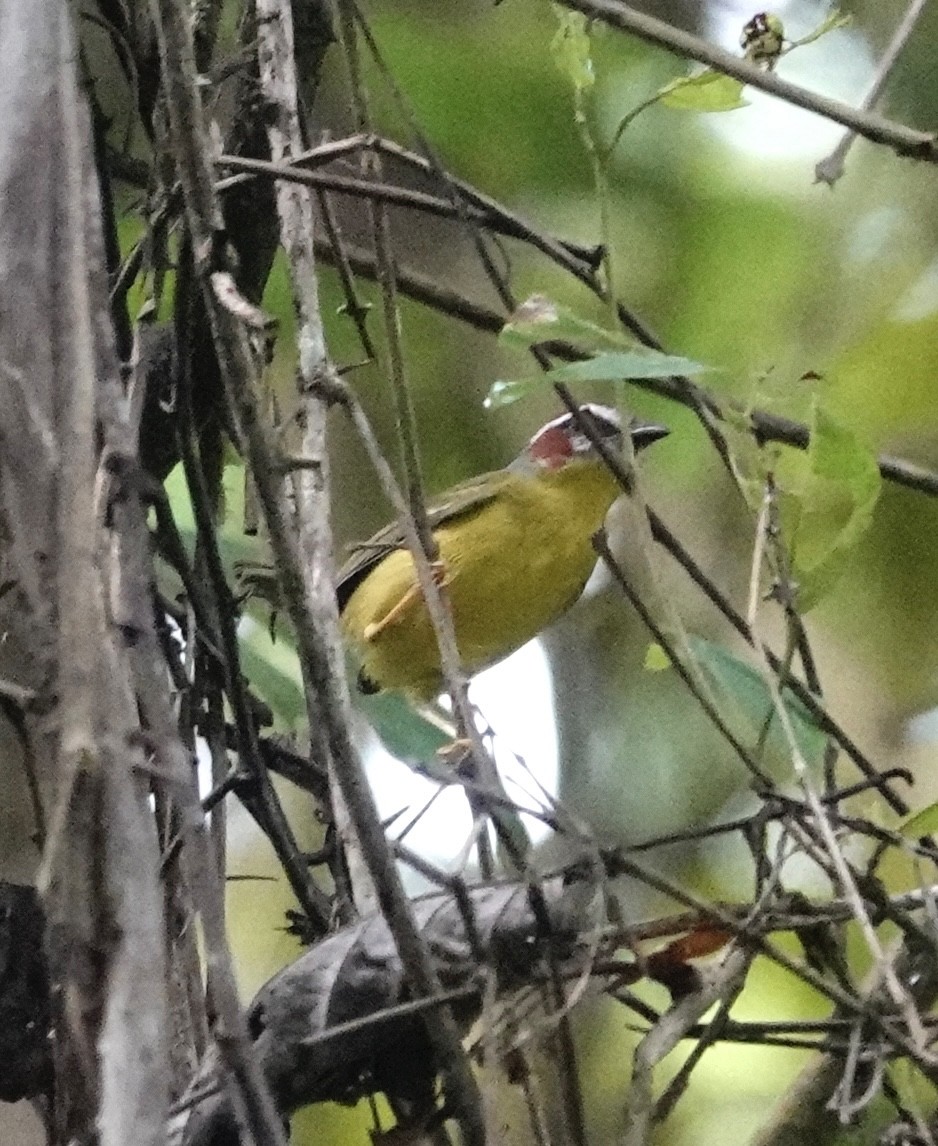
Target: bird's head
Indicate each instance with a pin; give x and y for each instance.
(565, 438)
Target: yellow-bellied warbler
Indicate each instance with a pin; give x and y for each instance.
(515, 549)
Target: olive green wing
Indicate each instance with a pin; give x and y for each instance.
(461, 501)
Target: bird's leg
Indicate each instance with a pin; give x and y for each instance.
(395, 614)
(455, 754)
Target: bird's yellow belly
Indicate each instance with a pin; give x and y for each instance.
(510, 569)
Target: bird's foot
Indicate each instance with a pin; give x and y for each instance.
(455, 754)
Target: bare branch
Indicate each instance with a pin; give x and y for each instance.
(311, 483)
(903, 140)
(830, 169)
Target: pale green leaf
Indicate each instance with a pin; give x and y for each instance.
(540, 319)
(620, 365)
(570, 48)
(922, 823)
(750, 692)
(613, 366)
(834, 507)
(656, 659)
(707, 91)
(505, 391)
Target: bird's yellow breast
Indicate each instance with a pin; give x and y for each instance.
(511, 568)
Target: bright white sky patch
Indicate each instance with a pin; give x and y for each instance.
(923, 728)
(516, 699)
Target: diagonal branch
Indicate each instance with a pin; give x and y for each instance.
(767, 427)
(903, 140)
(831, 168)
(190, 138)
(310, 483)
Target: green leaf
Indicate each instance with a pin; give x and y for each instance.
(570, 48)
(748, 688)
(922, 823)
(834, 507)
(913, 1093)
(540, 319)
(835, 20)
(271, 664)
(656, 659)
(232, 542)
(404, 732)
(620, 365)
(279, 687)
(706, 91)
(416, 740)
(614, 366)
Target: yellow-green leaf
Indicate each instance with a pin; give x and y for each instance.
(834, 507)
(656, 659)
(707, 91)
(922, 823)
(571, 48)
(540, 319)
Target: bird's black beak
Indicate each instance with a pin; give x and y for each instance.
(646, 433)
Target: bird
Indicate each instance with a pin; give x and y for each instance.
(515, 552)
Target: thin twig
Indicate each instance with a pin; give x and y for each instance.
(278, 82)
(820, 813)
(434, 594)
(496, 219)
(767, 427)
(831, 168)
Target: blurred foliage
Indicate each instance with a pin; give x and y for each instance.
(738, 261)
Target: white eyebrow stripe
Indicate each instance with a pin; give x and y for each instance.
(603, 414)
